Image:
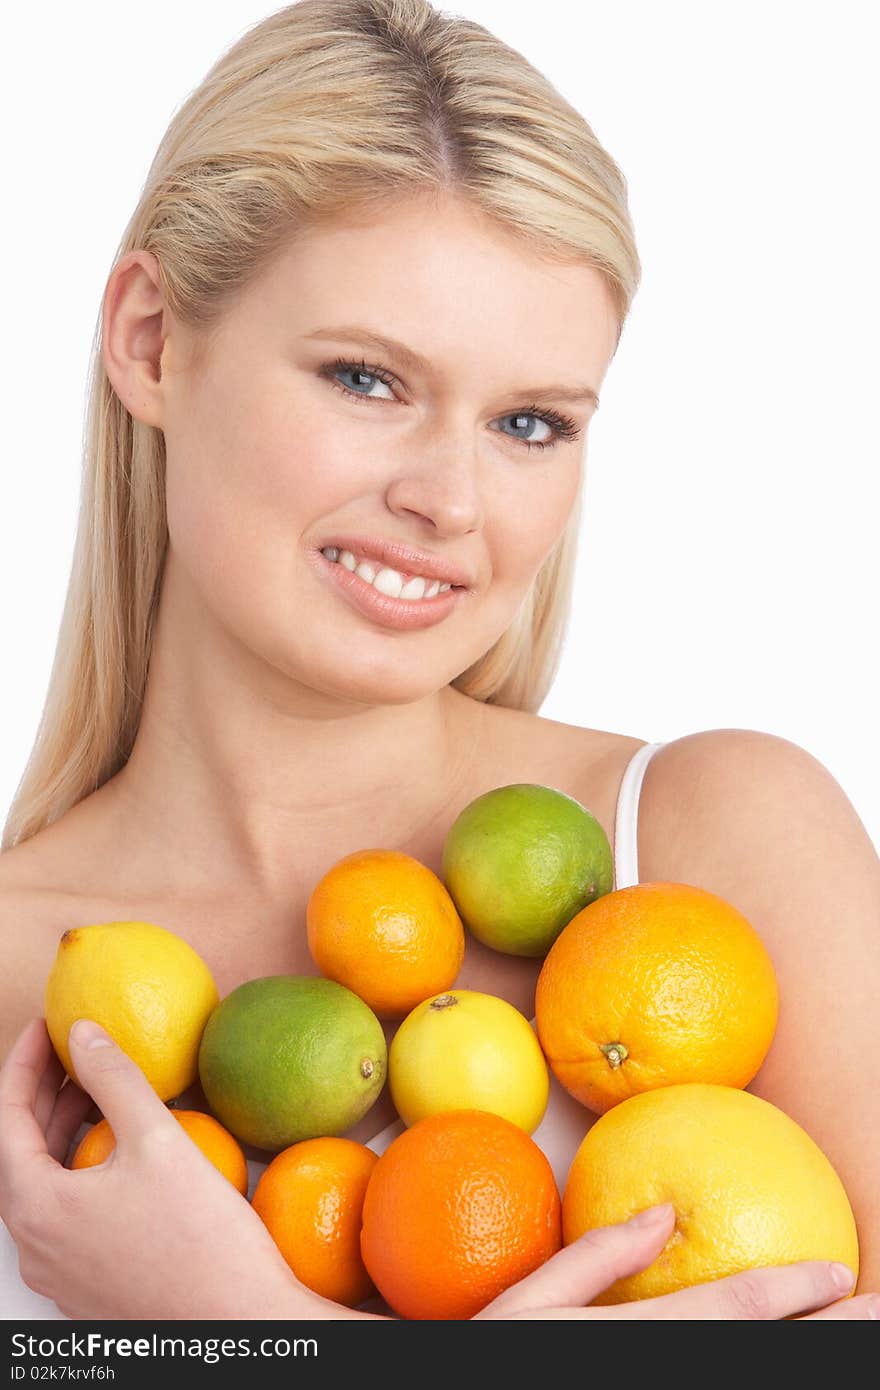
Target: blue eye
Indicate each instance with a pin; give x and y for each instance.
(562, 426)
(521, 420)
(359, 370)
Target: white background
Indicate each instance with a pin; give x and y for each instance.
(726, 577)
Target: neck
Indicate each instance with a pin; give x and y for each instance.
(243, 781)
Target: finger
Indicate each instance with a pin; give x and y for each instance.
(115, 1083)
(20, 1135)
(50, 1084)
(864, 1305)
(583, 1269)
(71, 1110)
(757, 1294)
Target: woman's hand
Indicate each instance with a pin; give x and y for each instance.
(155, 1231)
(582, 1270)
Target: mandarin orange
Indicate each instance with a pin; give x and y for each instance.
(383, 924)
(459, 1206)
(655, 985)
(311, 1199)
(215, 1142)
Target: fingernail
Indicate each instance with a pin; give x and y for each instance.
(652, 1216)
(843, 1277)
(85, 1033)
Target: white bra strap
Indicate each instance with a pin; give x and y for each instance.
(626, 821)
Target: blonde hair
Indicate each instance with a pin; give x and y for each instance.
(323, 107)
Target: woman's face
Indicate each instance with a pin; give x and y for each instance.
(295, 429)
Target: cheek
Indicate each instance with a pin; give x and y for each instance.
(527, 520)
(241, 466)
(524, 522)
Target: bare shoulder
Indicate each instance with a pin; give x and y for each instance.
(31, 921)
(721, 804)
(763, 823)
(586, 763)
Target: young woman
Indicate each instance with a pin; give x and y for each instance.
(365, 306)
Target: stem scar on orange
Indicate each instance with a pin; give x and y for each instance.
(459, 1206)
(653, 985)
(383, 924)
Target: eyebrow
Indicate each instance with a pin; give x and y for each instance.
(354, 332)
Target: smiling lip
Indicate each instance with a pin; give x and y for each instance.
(404, 614)
(400, 557)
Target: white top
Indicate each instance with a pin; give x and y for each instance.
(560, 1132)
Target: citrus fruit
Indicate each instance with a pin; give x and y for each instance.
(145, 985)
(459, 1206)
(216, 1143)
(466, 1050)
(654, 985)
(290, 1057)
(383, 924)
(749, 1186)
(311, 1199)
(520, 861)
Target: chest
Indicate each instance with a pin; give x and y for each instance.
(242, 937)
(282, 951)
(246, 942)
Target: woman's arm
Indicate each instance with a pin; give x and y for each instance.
(761, 822)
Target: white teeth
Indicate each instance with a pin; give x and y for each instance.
(413, 588)
(387, 580)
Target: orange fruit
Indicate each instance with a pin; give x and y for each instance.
(654, 985)
(383, 924)
(459, 1206)
(749, 1187)
(311, 1198)
(215, 1142)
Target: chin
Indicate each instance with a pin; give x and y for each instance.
(387, 686)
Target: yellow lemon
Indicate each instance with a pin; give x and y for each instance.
(464, 1050)
(749, 1186)
(145, 985)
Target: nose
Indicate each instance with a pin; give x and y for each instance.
(439, 482)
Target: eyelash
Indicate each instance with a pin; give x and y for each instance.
(564, 427)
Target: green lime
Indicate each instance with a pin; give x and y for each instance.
(520, 861)
(290, 1057)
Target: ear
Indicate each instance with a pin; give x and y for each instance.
(133, 328)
